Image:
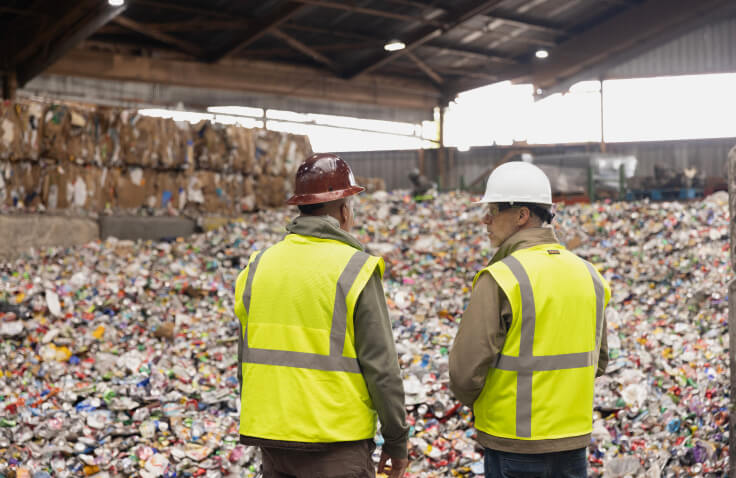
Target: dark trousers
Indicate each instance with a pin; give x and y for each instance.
(340, 460)
(563, 464)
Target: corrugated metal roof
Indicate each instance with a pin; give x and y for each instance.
(711, 49)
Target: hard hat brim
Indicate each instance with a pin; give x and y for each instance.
(304, 199)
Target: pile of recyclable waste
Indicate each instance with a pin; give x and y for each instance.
(118, 358)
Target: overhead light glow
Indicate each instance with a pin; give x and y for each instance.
(542, 54)
(116, 3)
(463, 148)
(394, 45)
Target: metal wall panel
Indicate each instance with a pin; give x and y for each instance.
(710, 49)
(392, 166)
(708, 156)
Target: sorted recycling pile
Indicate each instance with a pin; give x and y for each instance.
(118, 358)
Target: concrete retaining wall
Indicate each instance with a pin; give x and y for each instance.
(19, 233)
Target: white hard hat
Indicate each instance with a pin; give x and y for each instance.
(518, 181)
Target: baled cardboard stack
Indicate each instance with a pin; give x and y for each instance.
(68, 156)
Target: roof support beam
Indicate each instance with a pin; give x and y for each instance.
(524, 22)
(425, 68)
(81, 30)
(506, 17)
(367, 11)
(205, 12)
(62, 19)
(471, 53)
(184, 45)
(450, 20)
(299, 46)
(196, 24)
(255, 31)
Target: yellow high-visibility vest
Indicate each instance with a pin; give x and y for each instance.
(541, 387)
(301, 380)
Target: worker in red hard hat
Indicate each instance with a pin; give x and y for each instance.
(317, 359)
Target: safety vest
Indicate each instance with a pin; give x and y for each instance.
(300, 375)
(541, 388)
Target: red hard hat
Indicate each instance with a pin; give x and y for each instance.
(323, 177)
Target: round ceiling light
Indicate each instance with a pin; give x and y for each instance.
(394, 45)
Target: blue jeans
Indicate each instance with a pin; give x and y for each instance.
(563, 464)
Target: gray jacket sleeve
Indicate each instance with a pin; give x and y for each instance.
(374, 344)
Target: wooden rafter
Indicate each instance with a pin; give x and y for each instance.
(425, 34)
(471, 52)
(299, 46)
(198, 24)
(348, 7)
(255, 31)
(525, 22)
(62, 41)
(183, 45)
(425, 68)
(205, 12)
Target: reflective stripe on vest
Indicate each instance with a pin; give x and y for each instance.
(335, 361)
(526, 363)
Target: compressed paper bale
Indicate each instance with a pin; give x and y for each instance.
(241, 148)
(214, 191)
(22, 184)
(54, 187)
(81, 138)
(298, 149)
(70, 186)
(270, 147)
(31, 116)
(107, 137)
(136, 138)
(210, 146)
(11, 136)
(170, 191)
(271, 191)
(170, 144)
(134, 187)
(100, 191)
(248, 195)
(55, 132)
(4, 184)
(30, 175)
(236, 185)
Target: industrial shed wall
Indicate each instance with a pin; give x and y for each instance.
(709, 49)
(708, 156)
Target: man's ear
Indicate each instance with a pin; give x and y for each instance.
(524, 216)
(344, 212)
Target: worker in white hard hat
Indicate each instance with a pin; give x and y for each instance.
(533, 337)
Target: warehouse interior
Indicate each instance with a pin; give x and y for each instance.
(147, 147)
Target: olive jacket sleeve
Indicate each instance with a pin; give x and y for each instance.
(374, 344)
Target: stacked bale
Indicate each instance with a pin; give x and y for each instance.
(69, 156)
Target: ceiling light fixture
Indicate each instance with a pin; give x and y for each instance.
(116, 3)
(394, 45)
(541, 54)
